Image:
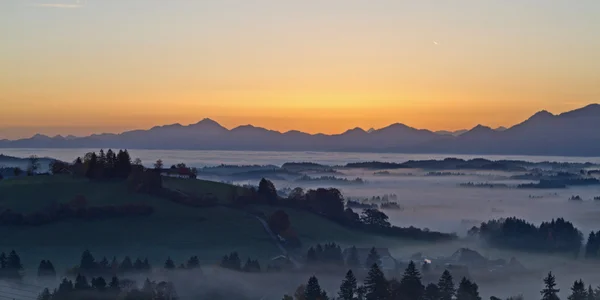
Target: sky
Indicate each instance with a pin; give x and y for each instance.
(90, 66)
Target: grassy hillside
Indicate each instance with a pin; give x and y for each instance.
(224, 192)
(174, 230)
(313, 229)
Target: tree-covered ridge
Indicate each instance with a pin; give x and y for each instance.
(556, 236)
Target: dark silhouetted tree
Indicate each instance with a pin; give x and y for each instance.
(373, 258)
(81, 283)
(126, 266)
(432, 292)
(193, 263)
(313, 289)
(46, 269)
(169, 264)
(376, 286)
(578, 291)
(467, 290)
(446, 286)
(550, 292)
(14, 267)
(267, 191)
(410, 284)
(374, 217)
(348, 287)
(353, 261)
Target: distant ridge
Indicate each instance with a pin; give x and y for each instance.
(573, 133)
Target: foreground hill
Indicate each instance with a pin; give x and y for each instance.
(571, 134)
(171, 230)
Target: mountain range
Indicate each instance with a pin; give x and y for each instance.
(573, 133)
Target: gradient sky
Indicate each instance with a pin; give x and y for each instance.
(76, 67)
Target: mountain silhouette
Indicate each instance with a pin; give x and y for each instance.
(573, 133)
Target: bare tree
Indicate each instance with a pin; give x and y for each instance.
(137, 162)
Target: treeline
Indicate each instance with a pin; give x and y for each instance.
(233, 262)
(74, 209)
(109, 165)
(307, 178)
(592, 247)
(556, 236)
(330, 203)
(377, 287)
(411, 287)
(89, 266)
(11, 267)
(100, 289)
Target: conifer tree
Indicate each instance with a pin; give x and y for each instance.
(446, 286)
(376, 286)
(81, 283)
(432, 292)
(193, 263)
(348, 287)
(410, 284)
(14, 267)
(550, 292)
(591, 295)
(373, 258)
(353, 261)
(169, 264)
(578, 291)
(467, 290)
(88, 263)
(126, 266)
(313, 289)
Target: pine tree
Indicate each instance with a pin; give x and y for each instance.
(313, 289)
(193, 263)
(591, 295)
(99, 283)
(373, 258)
(348, 287)
(432, 292)
(467, 290)
(592, 246)
(550, 291)
(147, 266)
(376, 286)
(14, 267)
(578, 291)
(353, 261)
(103, 265)
(446, 286)
(81, 283)
(115, 285)
(45, 295)
(87, 263)
(169, 264)
(126, 266)
(92, 166)
(410, 284)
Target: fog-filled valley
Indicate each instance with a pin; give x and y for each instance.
(205, 217)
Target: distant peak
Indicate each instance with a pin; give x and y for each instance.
(355, 130)
(480, 127)
(207, 121)
(371, 130)
(542, 114)
(40, 136)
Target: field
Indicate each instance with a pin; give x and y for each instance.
(224, 192)
(173, 230)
